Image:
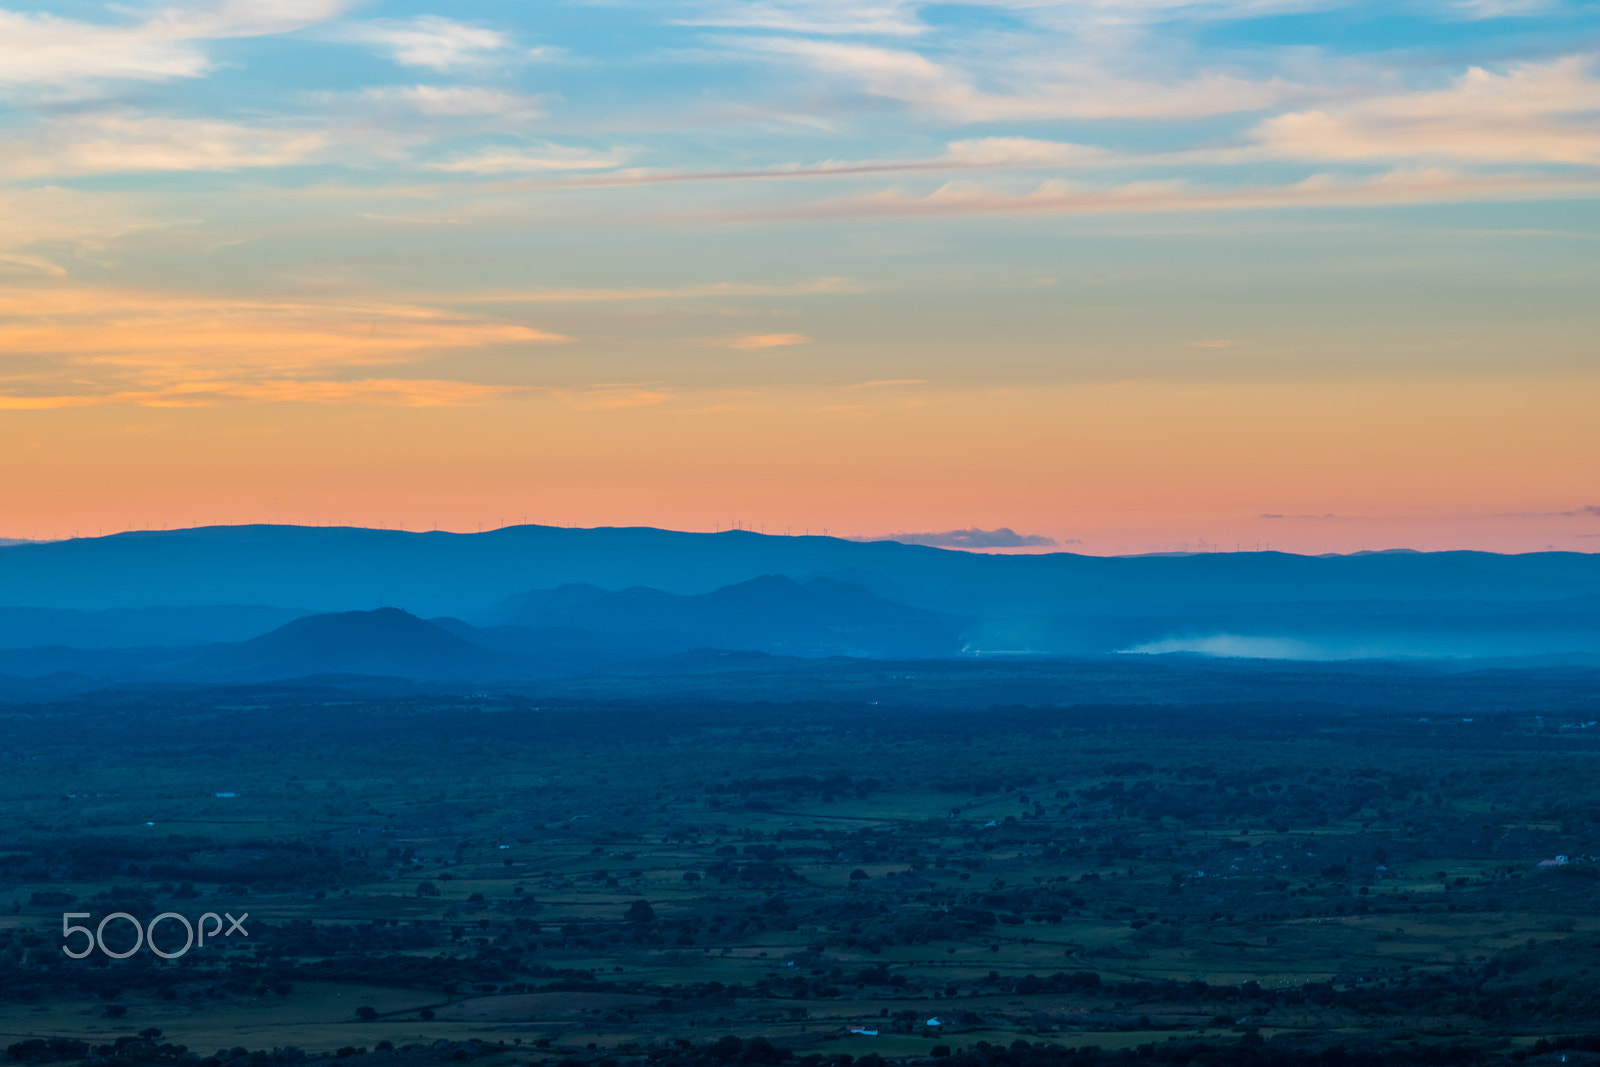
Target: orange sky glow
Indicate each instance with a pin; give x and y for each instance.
(1119, 467)
(1138, 277)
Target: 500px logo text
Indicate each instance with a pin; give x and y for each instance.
(195, 934)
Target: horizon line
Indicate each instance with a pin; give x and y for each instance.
(993, 550)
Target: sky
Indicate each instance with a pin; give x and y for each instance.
(1122, 275)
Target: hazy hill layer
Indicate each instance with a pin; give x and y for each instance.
(772, 613)
(386, 643)
(32, 627)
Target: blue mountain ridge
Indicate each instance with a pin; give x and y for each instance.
(662, 590)
(341, 568)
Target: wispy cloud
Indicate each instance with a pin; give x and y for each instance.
(1061, 197)
(1542, 113)
(430, 41)
(127, 144)
(1081, 90)
(1494, 9)
(98, 346)
(549, 158)
(45, 49)
(448, 101)
(1533, 115)
(613, 397)
(684, 292)
(179, 334)
(755, 341)
(39, 50)
(1024, 153)
(221, 19)
(901, 17)
(1586, 511)
(14, 261)
(405, 392)
(974, 538)
(982, 153)
(349, 127)
(1144, 12)
(49, 225)
(896, 17)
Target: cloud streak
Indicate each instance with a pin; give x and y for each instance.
(430, 41)
(38, 50)
(1057, 197)
(1082, 91)
(709, 290)
(405, 392)
(891, 17)
(128, 144)
(975, 539)
(752, 342)
(550, 158)
(1531, 113)
(91, 347)
(444, 101)
(40, 228)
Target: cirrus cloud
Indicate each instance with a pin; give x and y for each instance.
(896, 17)
(430, 41)
(1058, 197)
(1051, 90)
(756, 341)
(718, 290)
(74, 347)
(40, 50)
(405, 392)
(512, 161)
(1538, 112)
(450, 101)
(127, 144)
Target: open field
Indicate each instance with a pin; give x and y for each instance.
(546, 879)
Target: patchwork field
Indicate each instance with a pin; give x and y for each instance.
(504, 879)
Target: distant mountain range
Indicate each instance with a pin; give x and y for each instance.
(468, 575)
(259, 601)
